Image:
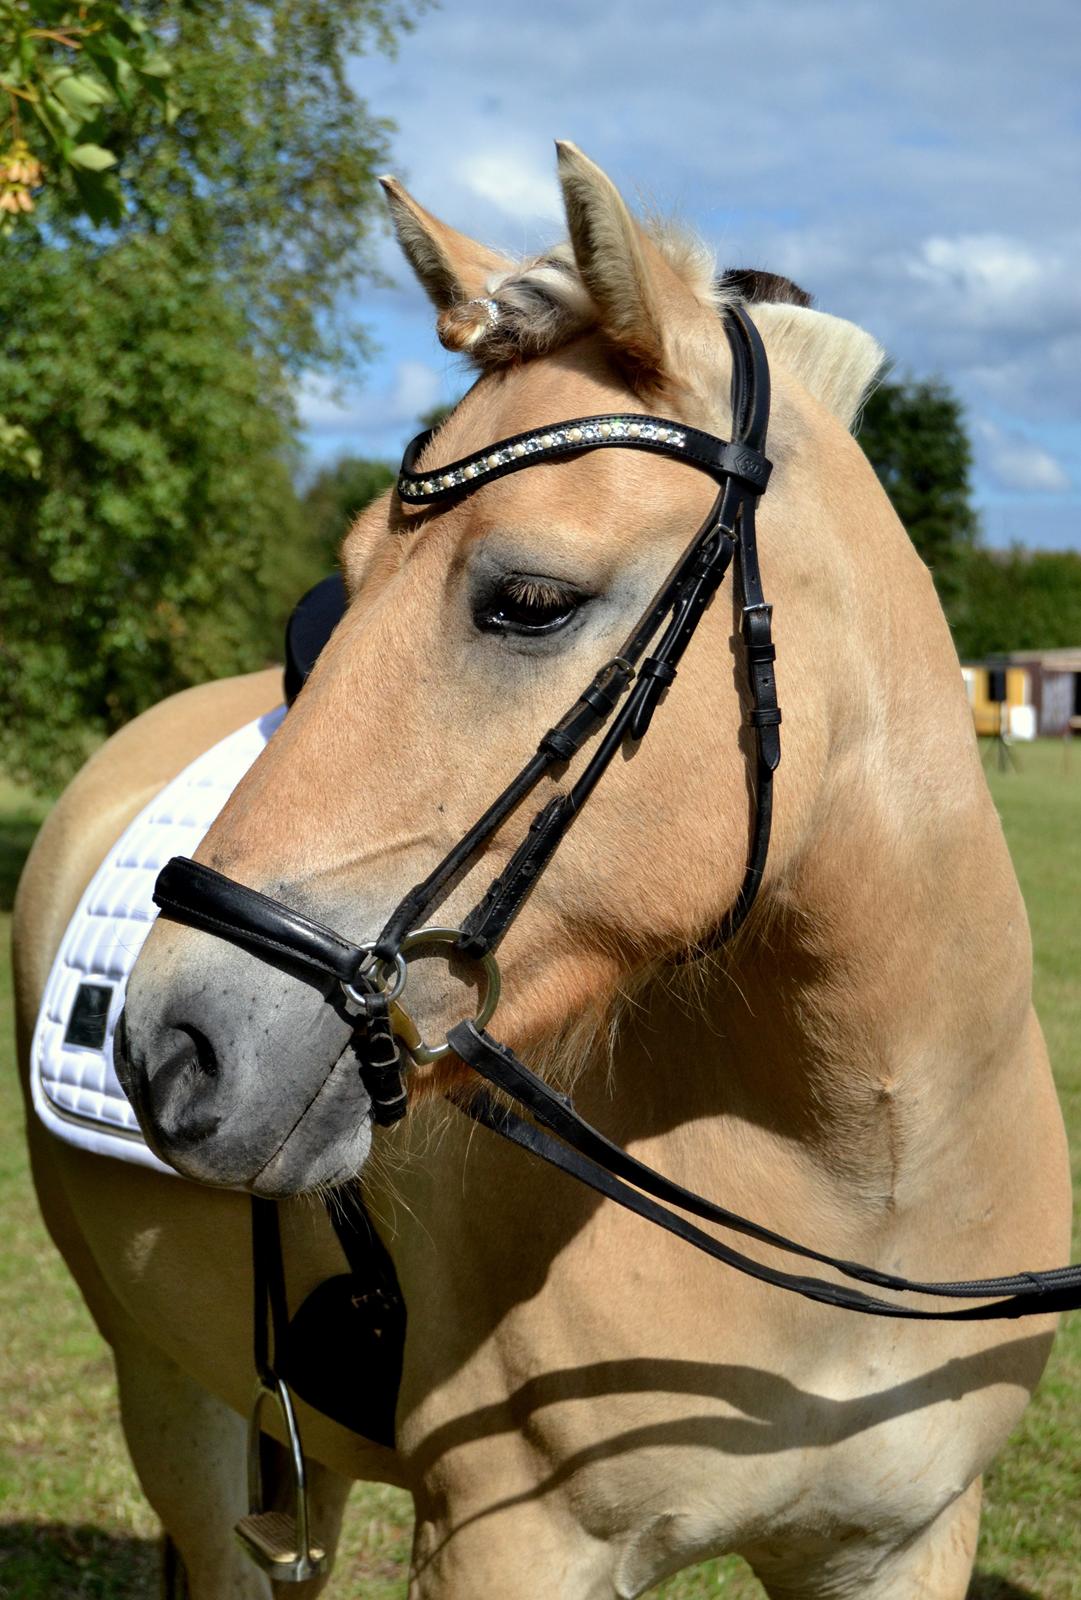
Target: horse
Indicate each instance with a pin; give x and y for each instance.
(586, 1406)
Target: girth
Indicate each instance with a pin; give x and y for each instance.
(619, 704)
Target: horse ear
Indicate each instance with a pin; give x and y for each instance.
(452, 267)
(627, 277)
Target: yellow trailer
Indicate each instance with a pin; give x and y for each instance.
(1015, 715)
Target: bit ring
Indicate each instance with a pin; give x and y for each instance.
(424, 1054)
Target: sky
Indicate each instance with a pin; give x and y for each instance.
(915, 166)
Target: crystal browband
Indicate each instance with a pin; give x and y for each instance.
(566, 438)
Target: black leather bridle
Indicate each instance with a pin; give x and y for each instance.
(621, 700)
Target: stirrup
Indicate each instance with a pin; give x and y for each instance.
(278, 1542)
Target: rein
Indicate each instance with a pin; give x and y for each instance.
(624, 695)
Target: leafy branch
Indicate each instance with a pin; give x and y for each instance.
(72, 72)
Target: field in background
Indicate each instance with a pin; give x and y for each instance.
(74, 1526)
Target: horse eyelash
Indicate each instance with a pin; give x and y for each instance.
(536, 591)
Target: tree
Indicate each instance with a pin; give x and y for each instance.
(1019, 600)
(134, 549)
(263, 167)
(70, 72)
(334, 499)
(914, 437)
(148, 522)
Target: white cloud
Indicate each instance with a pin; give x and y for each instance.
(987, 268)
(516, 184)
(1018, 463)
(995, 283)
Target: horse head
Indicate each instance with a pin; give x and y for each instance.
(470, 627)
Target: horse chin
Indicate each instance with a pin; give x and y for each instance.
(328, 1144)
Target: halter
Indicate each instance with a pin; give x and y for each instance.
(622, 699)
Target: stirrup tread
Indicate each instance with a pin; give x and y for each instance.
(272, 1538)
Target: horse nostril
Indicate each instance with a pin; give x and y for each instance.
(176, 1095)
(204, 1057)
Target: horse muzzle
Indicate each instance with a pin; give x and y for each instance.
(240, 1074)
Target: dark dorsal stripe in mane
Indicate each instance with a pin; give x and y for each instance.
(757, 287)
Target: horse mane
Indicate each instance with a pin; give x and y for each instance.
(542, 304)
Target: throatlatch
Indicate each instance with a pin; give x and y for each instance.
(621, 699)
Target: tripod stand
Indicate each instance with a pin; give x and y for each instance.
(1005, 761)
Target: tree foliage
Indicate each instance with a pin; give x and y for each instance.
(1018, 600)
(262, 166)
(268, 168)
(71, 73)
(334, 499)
(133, 550)
(913, 434)
(149, 529)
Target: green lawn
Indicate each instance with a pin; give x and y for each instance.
(72, 1520)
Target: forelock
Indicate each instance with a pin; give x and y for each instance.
(543, 304)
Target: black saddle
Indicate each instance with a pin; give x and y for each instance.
(313, 621)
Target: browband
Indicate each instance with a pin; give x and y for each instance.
(628, 430)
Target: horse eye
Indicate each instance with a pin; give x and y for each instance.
(528, 605)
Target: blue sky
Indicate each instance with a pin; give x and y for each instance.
(914, 165)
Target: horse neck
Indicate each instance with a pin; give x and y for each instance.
(885, 973)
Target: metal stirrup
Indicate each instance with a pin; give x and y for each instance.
(277, 1541)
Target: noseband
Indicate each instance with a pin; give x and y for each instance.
(621, 699)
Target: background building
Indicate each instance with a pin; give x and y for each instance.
(1026, 693)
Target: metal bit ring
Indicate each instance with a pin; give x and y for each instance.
(424, 1054)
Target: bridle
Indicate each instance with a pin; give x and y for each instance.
(624, 692)
(618, 704)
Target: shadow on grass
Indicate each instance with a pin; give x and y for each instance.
(988, 1586)
(16, 837)
(73, 1561)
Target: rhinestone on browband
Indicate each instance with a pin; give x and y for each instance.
(579, 435)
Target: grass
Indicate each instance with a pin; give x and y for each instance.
(74, 1526)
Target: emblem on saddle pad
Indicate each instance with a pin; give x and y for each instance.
(88, 1023)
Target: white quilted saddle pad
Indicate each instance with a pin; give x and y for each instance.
(76, 1092)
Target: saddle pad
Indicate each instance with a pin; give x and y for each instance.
(75, 1089)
